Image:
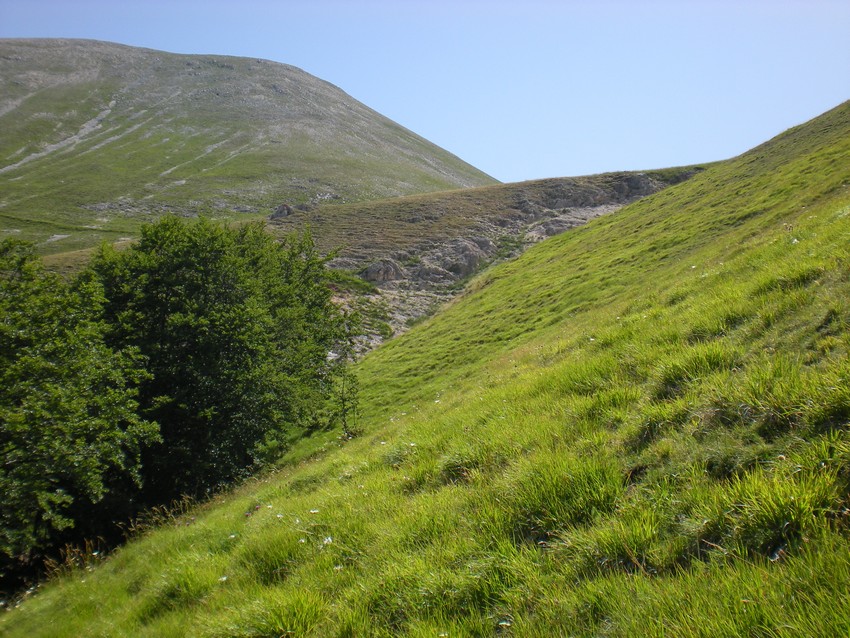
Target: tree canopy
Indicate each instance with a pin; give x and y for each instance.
(235, 329)
(69, 424)
(171, 367)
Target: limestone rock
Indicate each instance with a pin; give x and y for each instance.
(429, 272)
(284, 210)
(462, 257)
(383, 270)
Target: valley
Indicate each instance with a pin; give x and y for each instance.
(614, 405)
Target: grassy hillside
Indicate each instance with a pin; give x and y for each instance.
(419, 249)
(639, 427)
(405, 227)
(98, 137)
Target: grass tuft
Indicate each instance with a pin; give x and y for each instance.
(637, 428)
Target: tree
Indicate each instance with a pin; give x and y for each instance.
(235, 329)
(69, 428)
(346, 392)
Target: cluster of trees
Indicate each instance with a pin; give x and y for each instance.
(172, 367)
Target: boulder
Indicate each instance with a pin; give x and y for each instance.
(485, 243)
(431, 273)
(383, 270)
(462, 257)
(284, 210)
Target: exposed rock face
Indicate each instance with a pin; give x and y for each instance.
(462, 257)
(430, 273)
(284, 210)
(564, 221)
(418, 250)
(382, 271)
(536, 213)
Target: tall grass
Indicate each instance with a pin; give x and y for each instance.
(637, 428)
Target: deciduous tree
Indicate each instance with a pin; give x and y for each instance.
(69, 426)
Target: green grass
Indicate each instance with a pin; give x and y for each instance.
(637, 428)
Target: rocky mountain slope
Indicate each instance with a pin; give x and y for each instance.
(98, 137)
(417, 250)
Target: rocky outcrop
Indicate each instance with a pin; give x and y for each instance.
(418, 250)
(462, 257)
(284, 210)
(538, 210)
(383, 271)
(428, 273)
(564, 221)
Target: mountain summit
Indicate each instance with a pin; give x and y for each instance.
(101, 137)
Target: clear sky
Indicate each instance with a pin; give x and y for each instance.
(522, 89)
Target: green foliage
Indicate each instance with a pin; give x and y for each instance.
(630, 430)
(235, 329)
(69, 427)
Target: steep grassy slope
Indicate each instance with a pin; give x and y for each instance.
(98, 137)
(639, 427)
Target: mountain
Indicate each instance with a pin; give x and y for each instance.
(419, 249)
(639, 427)
(98, 138)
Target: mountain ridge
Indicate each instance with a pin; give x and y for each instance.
(107, 136)
(418, 250)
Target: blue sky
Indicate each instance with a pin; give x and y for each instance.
(521, 90)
